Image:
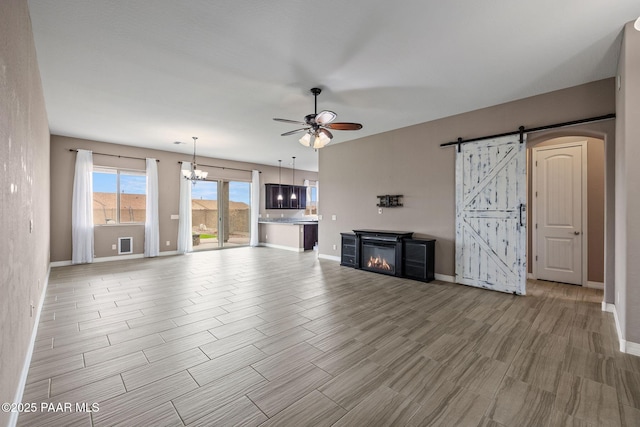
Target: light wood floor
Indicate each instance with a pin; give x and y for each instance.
(258, 336)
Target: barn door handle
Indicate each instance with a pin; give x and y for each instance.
(522, 209)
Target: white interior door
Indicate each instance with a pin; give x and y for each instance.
(490, 214)
(559, 172)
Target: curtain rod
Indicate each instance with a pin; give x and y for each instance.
(114, 155)
(522, 129)
(221, 167)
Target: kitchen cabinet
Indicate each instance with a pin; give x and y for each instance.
(310, 236)
(271, 196)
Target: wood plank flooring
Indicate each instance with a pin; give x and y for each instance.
(264, 337)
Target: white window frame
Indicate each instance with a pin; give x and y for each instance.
(118, 172)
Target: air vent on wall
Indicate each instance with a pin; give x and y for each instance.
(125, 245)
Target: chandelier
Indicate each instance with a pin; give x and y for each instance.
(194, 174)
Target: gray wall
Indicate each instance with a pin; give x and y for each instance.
(24, 183)
(62, 169)
(409, 161)
(627, 268)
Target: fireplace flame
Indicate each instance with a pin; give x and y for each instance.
(379, 263)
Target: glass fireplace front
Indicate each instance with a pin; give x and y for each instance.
(379, 257)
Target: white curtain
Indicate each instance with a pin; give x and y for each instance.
(185, 239)
(152, 221)
(82, 209)
(255, 207)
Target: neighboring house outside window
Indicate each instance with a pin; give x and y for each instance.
(119, 196)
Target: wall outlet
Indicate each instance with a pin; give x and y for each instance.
(281, 215)
(31, 309)
(174, 216)
(334, 247)
(113, 247)
(333, 217)
(319, 217)
(168, 243)
(267, 215)
(380, 211)
(266, 236)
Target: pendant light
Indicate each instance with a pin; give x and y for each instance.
(293, 181)
(194, 174)
(279, 183)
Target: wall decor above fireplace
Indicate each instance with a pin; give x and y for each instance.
(390, 201)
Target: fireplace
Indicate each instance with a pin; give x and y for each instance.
(380, 251)
(378, 257)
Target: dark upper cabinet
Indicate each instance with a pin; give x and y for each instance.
(273, 190)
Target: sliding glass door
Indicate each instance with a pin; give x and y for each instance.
(220, 214)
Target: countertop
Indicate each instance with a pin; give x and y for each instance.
(288, 221)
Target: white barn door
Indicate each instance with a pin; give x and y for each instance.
(491, 232)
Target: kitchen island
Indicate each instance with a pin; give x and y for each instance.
(288, 233)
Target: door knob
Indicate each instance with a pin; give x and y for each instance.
(577, 233)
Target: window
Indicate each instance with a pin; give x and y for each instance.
(119, 196)
(312, 202)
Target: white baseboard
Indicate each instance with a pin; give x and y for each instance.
(60, 263)
(607, 307)
(13, 418)
(286, 248)
(629, 347)
(595, 285)
(445, 278)
(117, 258)
(168, 253)
(632, 348)
(618, 330)
(111, 258)
(329, 257)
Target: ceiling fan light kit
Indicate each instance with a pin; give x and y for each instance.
(317, 134)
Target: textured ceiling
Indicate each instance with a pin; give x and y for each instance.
(151, 72)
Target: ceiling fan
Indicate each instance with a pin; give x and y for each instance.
(318, 125)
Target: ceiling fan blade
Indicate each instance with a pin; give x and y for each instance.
(325, 117)
(344, 126)
(294, 131)
(290, 121)
(326, 132)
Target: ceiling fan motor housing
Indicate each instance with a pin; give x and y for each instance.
(310, 119)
